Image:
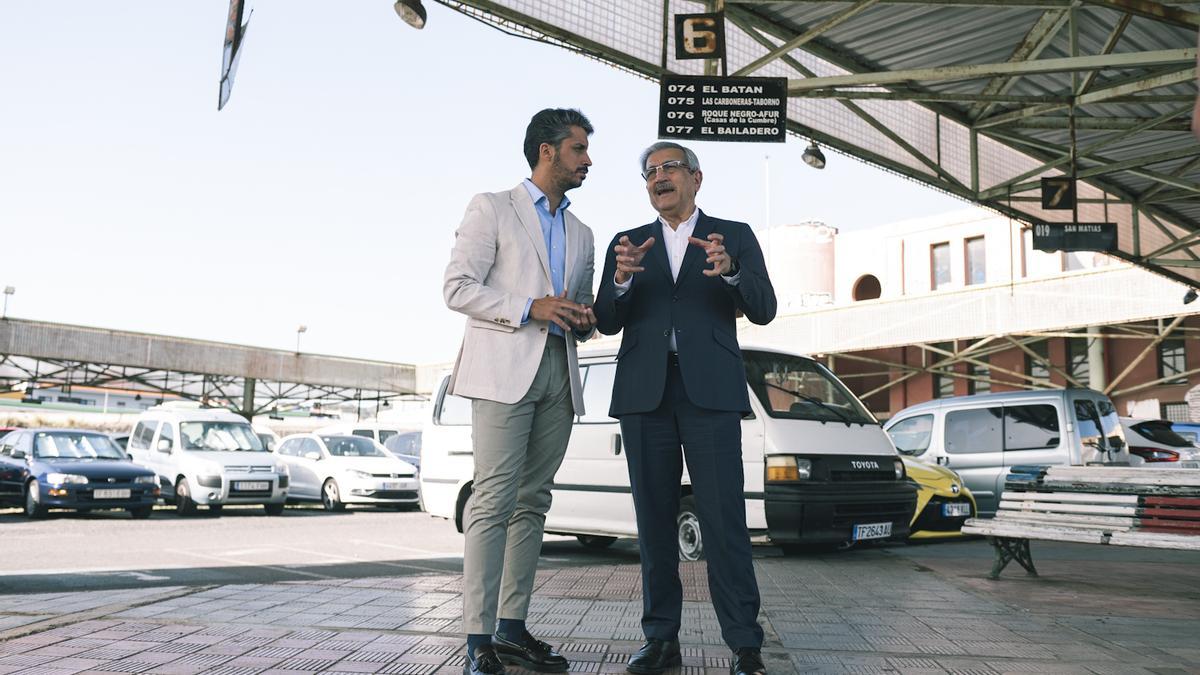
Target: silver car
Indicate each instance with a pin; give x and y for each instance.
(337, 470)
(1154, 445)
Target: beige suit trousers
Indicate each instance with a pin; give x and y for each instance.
(518, 448)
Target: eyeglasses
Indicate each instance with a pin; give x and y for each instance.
(670, 168)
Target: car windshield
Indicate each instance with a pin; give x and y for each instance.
(351, 446)
(67, 445)
(1160, 432)
(792, 387)
(405, 444)
(219, 437)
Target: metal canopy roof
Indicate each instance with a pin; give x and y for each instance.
(979, 98)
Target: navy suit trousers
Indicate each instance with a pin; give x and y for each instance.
(712, 447)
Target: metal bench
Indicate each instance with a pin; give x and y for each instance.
(1118, 506)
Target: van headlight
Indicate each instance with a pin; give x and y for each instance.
(899, 469)
(209, 480)
(152, 480)
(786, 468)
(61, 478)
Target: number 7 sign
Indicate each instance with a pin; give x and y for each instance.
(1058, 193)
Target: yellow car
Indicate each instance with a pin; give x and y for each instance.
(943, 502)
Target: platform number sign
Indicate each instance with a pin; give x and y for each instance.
(1074, 236)
(700, 36)
(1058, 193)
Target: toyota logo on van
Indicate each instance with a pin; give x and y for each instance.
(864, 464)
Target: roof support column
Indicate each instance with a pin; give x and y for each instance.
(247, 410)
(1097, 373)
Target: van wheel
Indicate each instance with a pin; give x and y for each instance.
(184, 505)
(331, 498)
(33, 501)
(687, 528)
(595, 542)
(274, 509)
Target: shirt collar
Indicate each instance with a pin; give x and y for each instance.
(540, 199)
(689, 223)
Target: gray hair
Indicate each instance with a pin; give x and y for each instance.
(690, 157)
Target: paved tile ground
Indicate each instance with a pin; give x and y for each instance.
(869, 612)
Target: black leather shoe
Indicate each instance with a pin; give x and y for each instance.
(530, 653)
(483, 662)
(654, 657)
(747, 661)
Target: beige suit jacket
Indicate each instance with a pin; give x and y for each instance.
(499, 261)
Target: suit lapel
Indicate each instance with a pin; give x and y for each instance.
(659, 250)
(694, 254)
(527, 214)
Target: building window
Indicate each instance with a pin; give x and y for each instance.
(1175, 412)
(981, 386)
(1171, 360)
(976, 256)
(866, 288)
(1034, 367)
(1077, 360)
(939, 263)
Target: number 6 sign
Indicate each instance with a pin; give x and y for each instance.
(700, 36)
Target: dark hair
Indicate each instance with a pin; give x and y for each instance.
(551, 126)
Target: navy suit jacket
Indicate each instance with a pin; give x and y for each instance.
(701, 309)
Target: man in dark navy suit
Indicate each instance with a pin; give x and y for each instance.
(676, 287)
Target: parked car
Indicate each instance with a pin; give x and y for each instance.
(122, 440)
(337, 470)
(406, 445)
(270, 439)
(207, 456)
(943, 502)
(376, 431)
(818, 469)
(981, 437)
(1154, 444)
(43, 469)
(1189, 430)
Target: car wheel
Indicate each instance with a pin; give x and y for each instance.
(141, 512)
(33, 504)
(184, 505)
(275, 509)
(215, 509)
(331, 498)
(594, 541)
(687, 529)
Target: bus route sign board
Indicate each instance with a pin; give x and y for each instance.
(1075, 236)
(712, 108)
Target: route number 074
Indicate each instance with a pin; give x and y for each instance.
(686, 88)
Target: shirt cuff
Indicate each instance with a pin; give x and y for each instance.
(621, 289)
(525, 314)
(733, 280)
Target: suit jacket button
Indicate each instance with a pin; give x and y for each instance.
(674, 298)
(667, 333)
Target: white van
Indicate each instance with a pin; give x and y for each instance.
(207, 456)
(818, 467)
(981, 437)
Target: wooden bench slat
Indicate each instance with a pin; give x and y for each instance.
(1025, 531)
(1080, 497)
(1161, 524)
(1176, 502)
(1178, 514)
(1125, 522)
(1054, 507)
(1128, 475)
(1187, 542)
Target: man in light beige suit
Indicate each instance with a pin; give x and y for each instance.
(521, 270)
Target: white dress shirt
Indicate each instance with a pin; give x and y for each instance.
(676, 241)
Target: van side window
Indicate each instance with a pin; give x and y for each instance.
(454, 411)
(597, 393)
(1029, 427)
(912, 435)
(167, 433)
(365, 433)
(142, 435)
(973, 431)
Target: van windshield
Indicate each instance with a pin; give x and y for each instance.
(796, 388)
(219, 437)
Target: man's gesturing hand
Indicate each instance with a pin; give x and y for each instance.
(559, 311)
(629, 258)
(714, 248)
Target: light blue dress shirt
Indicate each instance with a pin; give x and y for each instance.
(554, 233)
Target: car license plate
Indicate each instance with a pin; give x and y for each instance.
(110, 494)
(394, 486)
(1189, 465)
(252, 485)
(872, 531)
(956, 510)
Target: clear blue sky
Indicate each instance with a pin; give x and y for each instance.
(328, 190)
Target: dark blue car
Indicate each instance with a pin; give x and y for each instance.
(43, 469)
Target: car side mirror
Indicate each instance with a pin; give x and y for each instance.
(18, 454)
(164, 445)
(313, 455)
(1116, 443)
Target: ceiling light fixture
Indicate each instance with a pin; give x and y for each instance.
(412, 11)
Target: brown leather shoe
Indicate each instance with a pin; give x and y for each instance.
(654, 657)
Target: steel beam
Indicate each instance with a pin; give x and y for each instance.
(1035, 41)
(817, 30)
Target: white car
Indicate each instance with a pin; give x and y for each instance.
(1153, 444)
(341, 469)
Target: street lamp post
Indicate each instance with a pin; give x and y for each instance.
(8, 290)
(301, 329)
